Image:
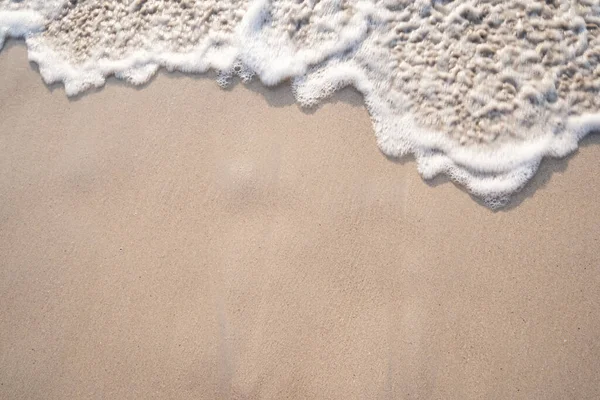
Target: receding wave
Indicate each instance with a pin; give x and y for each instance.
(480, 90)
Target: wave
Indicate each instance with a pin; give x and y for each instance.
(480, 91)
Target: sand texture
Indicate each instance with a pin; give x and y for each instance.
(238, 247)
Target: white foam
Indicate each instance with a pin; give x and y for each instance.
(344, 43)
(21, 18)
(19, 23)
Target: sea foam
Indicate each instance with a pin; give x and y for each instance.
(479, 90)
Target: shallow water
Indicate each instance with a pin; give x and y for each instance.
(478, 90)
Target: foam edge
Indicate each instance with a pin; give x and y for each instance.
(18, 24)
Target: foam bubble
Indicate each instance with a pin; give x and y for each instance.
(479, 91)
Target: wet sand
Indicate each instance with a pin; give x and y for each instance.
(182, 241)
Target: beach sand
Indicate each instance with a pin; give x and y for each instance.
(180, 241)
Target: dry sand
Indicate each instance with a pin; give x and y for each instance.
(184, 242)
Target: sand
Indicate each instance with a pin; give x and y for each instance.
(182, 241)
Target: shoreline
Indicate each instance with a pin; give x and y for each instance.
(470, 169)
